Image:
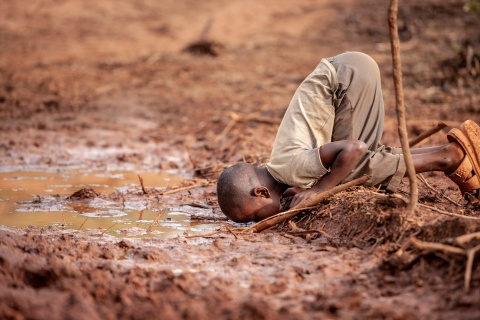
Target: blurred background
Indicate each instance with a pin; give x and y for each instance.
(184, 84)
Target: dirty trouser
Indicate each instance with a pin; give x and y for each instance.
(359, 115)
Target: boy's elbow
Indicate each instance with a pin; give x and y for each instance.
(362, 147)
(358, 148)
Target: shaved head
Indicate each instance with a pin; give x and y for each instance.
(233, 190)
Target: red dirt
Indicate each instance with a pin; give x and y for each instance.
(193, 87)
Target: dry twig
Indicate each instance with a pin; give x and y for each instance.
(141, 184)
(159, 214)
(234, 118)
(425, 182)
(113, 225)
(426, 134)
(230, 230)
(201, 184)
(190, 156)
(449, 213)
(82, 224)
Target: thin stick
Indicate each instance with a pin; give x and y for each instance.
(428, 207)
(149, 229)
(205, 234)
(123, 200)
(400, 106)
(425, 182)
(63, 221)
(449, 213)
(206, 29)
(468, 269)
(282, 216)
(305, 232)
(82, 224)
(181, 189)
(229, 230)
(427, 134)
(234, 118)
(141, 184)
(113, 225)
(190, 156)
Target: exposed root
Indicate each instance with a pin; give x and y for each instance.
(436, 247)
(466, 238)
(468, 269)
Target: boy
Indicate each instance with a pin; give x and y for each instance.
(331, 134)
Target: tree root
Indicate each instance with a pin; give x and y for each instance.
(428, 247)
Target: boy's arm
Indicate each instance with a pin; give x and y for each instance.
(342, 157)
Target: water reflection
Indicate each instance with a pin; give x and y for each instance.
(38, 199)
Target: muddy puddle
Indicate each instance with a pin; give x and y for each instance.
(40, 199)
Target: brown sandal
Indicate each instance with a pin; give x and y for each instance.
(466, 176)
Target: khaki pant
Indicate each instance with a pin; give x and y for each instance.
(359, 115)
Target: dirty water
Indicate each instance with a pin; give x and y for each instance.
(29, 198)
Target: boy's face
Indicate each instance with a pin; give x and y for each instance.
(260, 208)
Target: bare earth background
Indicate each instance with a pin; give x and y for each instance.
(134, 84)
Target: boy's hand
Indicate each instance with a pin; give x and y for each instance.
(302, 196)
(292, 191)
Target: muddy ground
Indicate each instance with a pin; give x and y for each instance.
(194, 86)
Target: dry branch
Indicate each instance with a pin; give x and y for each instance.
(427, 134)
(402, 126)
(308, 203)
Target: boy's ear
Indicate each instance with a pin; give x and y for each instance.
(261, 192)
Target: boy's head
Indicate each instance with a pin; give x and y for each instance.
(245, 193)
